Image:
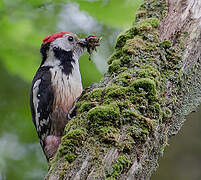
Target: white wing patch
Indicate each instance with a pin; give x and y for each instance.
(44, 122)
(36, 101)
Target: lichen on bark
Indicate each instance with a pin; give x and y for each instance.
(121, 126)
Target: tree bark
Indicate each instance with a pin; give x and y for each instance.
(122, 125)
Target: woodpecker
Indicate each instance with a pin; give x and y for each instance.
(55, 87)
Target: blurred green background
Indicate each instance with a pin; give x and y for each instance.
(23, 25)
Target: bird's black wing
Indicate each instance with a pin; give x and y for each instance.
(41, 102)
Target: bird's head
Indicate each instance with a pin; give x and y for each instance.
(61, 46)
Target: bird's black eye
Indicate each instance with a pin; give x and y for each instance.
(70, 38)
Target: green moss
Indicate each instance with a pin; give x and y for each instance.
(74, 138)
(115, 56)
(110, 178)
(138, 133)
(152, 8)
(122, 163)
(165, 44)
(77, 134)
(124, 104)
(61, 175)
(67, 146)
(167, 114)
(96, 94)
(122, 38)
(151, 47)
(125, 75)
(75, 123)
(114, 66)
(133, 118)
(122, 69)
(124, 78)
(107, 115)
(157, 107)
(145, 25)
(139, 98)
(70, 157)
(118, 92)
(125, 59)
(108, 135)
(92, 140)
(154, 22)
(141, 14)
(136, 45)
(149, 71)
(141, 26)
(85, 106)
(132, 44)
(127, 145)
(111, 87)
(146, 84)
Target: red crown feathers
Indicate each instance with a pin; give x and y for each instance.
(54, 36)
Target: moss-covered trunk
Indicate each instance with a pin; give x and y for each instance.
(122, 125)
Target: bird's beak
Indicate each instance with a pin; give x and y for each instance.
(82, 42)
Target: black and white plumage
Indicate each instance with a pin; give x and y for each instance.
(55, 87)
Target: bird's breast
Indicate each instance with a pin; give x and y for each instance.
(66, 89)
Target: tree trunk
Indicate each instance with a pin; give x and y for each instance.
(122, 125)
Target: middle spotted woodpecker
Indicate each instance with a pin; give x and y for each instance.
(55, 87)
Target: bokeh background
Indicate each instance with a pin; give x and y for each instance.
(23, 25)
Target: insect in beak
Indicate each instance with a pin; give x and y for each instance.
(90, 42)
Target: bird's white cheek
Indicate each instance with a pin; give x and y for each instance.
(51, 60)
(63, 44)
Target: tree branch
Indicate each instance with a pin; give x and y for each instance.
(122, 125)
